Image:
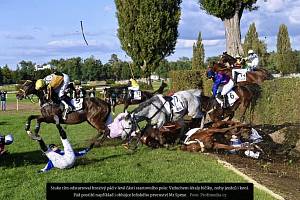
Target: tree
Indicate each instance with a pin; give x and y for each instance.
(198, 54)
(285, 56)
(230, 12)
(252, 42)
(148, 30)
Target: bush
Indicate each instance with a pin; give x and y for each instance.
(186, 79)
(279, 102)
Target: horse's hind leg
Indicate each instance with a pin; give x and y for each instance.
(29, 119)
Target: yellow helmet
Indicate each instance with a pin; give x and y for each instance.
(40, 83)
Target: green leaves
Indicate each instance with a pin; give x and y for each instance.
(148, 30)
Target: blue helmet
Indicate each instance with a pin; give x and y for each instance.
(210, 74)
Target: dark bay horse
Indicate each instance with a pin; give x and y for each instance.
(257, 76)
(95, 111)
(248, 95)
(122, 96)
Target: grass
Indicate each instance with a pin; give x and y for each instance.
(110, 163)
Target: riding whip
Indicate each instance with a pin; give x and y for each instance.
(83, 33)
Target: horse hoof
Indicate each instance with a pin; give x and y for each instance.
(126, 145)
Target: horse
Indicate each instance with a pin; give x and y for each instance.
(121, 96)
(215, 137)
(258, 76)
(95, 111)
(159, 110)
(247, 97)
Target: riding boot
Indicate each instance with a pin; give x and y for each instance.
(225, 104)
(219, 99)
(67, 109)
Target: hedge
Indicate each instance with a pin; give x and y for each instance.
(185, 79)
(279, 102)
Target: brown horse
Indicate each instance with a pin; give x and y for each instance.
(248, 95)
(120, 95)
(95, 111)
(258, 76)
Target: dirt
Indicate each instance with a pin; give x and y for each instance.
(282, 177)
(280, 170)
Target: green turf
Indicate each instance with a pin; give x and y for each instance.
(110, 163)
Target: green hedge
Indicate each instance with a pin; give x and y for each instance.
(279, 102)
(185, 79)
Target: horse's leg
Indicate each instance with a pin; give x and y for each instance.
(29, 119)
(102, 130)
(126, 104)
(39, 120)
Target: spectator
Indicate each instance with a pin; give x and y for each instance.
(3, 96)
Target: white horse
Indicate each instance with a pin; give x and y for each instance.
(159, 109)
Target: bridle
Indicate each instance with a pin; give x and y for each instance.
(24, 93)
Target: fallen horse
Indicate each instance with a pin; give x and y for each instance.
(222, 135)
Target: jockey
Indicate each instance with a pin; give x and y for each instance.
(133, 86)
(253, 60)
(58, 158)
(59, 83)
(238, 63)
(222, 85)
(5, 140)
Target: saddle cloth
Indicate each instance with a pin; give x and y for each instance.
(77, 103)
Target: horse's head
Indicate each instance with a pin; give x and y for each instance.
(26, 89)
(128, 126)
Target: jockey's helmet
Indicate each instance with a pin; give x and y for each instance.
(9, 139)
(237, 56)
(210, 74)
(250, 51)
(40, 83)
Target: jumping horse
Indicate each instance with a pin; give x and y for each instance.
(121, 96)
(95, 111)
(258, 76)
(247, 97)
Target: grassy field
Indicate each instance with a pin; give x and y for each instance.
(110, 163)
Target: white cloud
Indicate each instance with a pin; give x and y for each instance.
(294, 15)
(275, 5)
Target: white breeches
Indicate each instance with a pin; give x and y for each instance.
(227, 87)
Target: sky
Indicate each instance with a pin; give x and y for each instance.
(41, 30)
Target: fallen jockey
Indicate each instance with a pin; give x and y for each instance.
(222, 85)
(5, 140)
(58, 158)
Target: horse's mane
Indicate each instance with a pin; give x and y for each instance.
(146, 103)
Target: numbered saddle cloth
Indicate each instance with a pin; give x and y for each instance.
(137, 95)
(232, 97)
(178, 104)
(240, 73)
(77, 103)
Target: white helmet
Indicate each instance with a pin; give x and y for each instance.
(237, 56)
(250, 51)
(9, 139)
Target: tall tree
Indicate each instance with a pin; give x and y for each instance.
(148, 30)
(285, 55)
(230, 12)
(258, 46)
(198, 54)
